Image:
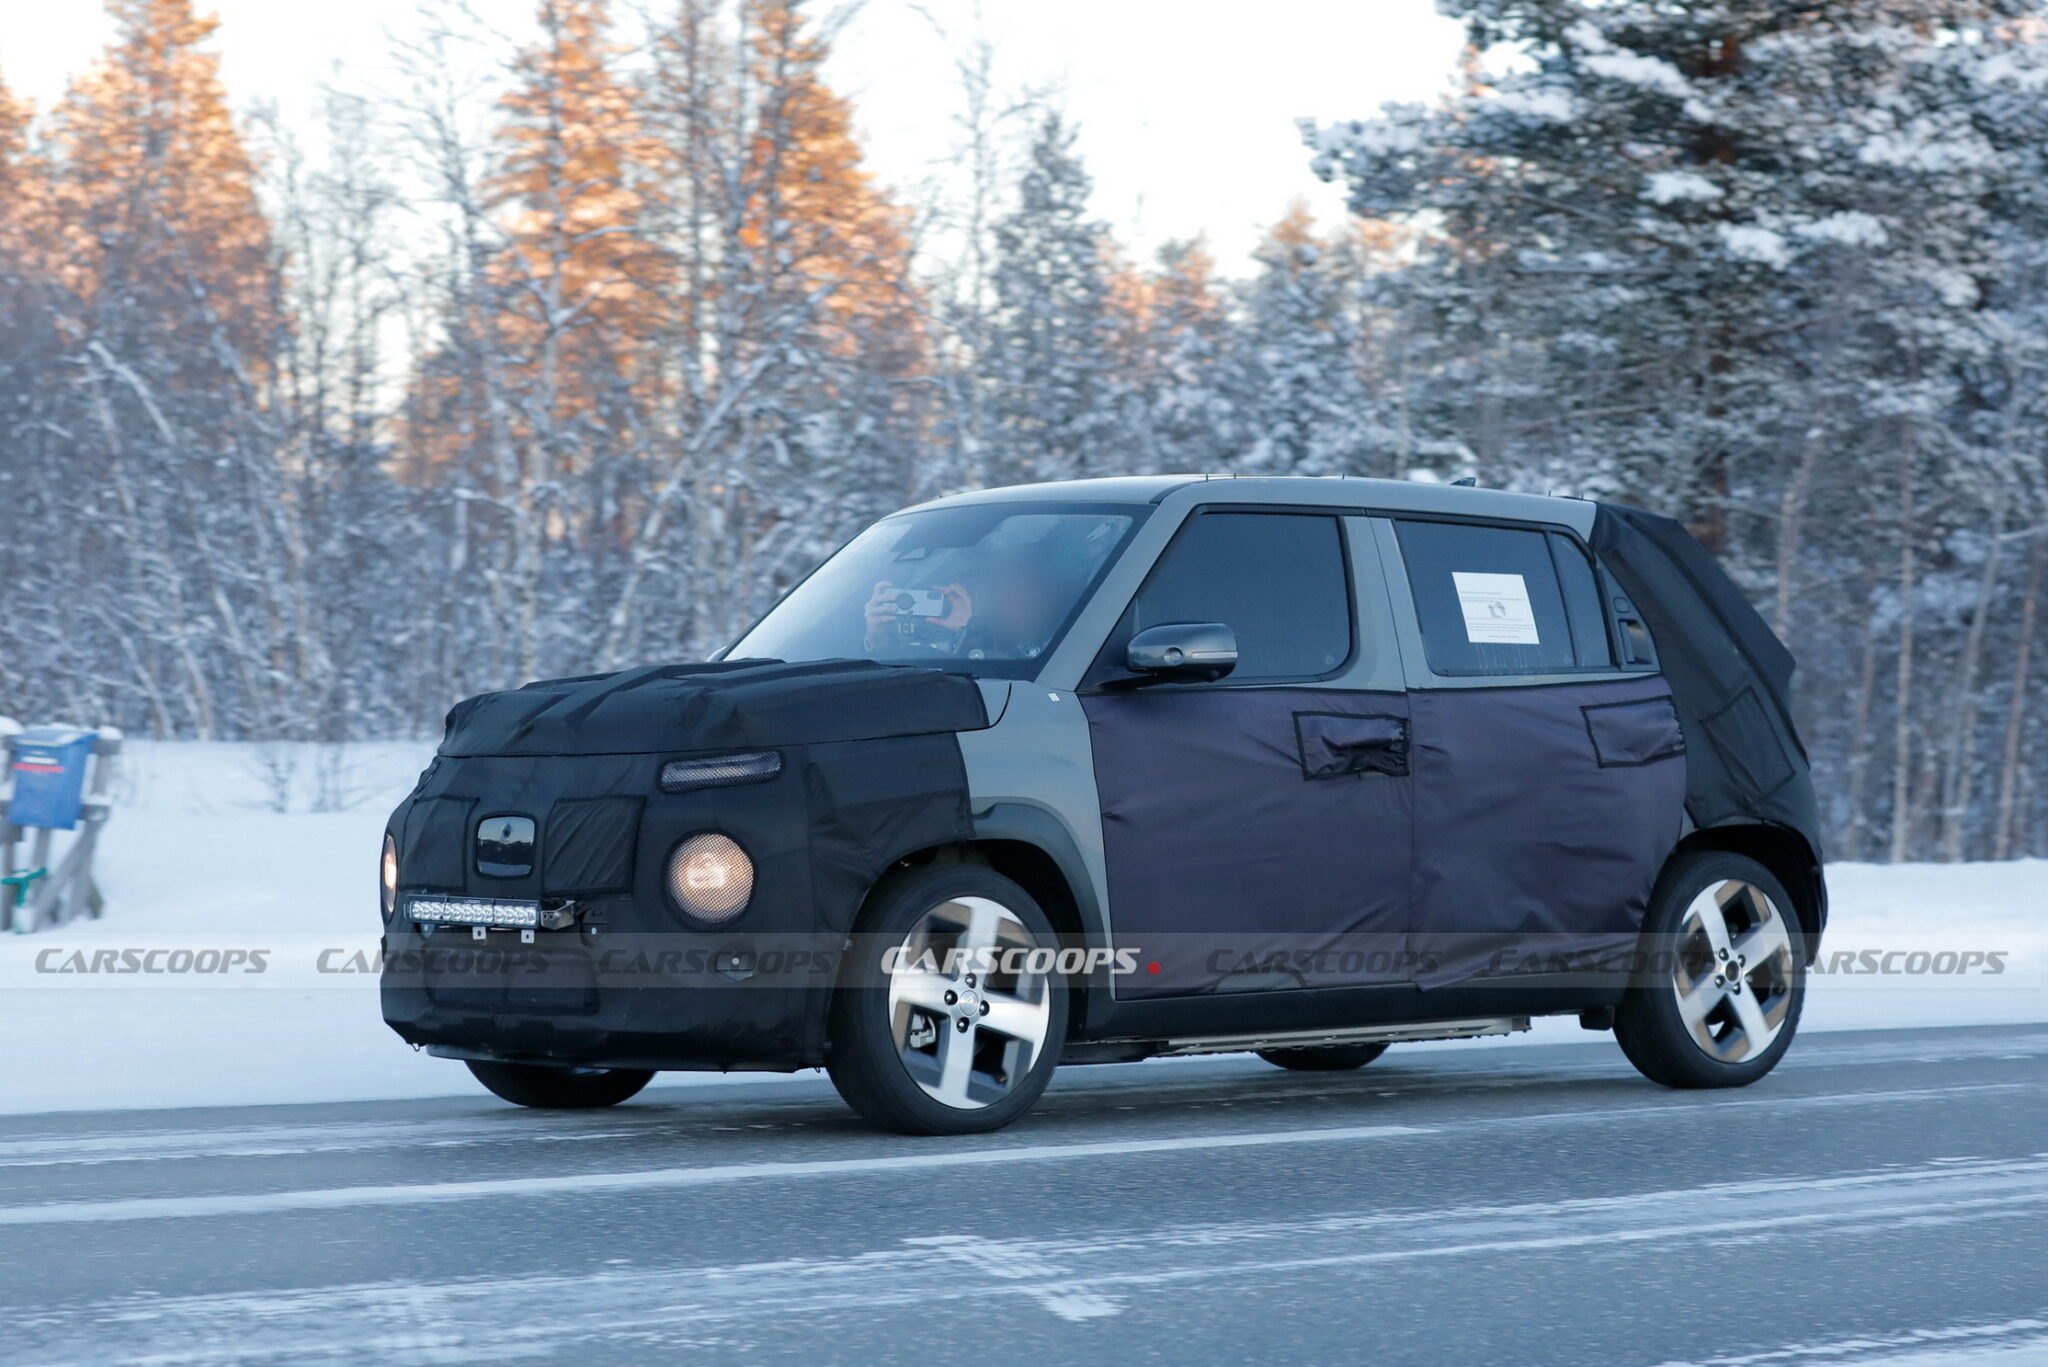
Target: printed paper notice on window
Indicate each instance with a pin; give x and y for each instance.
(1497, 611)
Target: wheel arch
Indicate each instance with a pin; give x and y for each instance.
(1786, 853)
(1030, 847)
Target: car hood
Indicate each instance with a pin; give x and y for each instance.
(739, 704)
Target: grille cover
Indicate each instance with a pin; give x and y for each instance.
(588, 846)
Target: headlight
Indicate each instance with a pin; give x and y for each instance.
(388, 877)
(684, 775)
(710, 877)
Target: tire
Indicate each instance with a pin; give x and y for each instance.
(897, 1039)
(1324, 1058)
(1686, 1021)
(559, 1089)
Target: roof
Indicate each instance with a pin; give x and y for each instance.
(1339, 491)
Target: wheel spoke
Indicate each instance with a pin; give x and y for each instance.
(919, 987)
(956, 1063)
(1696, 1003)
(984, 920)
(1769, 938)
(1707, 909)
(1756, 1030)
(1017, 1018)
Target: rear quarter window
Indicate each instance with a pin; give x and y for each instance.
(1503, 600)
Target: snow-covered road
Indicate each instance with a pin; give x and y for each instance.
(1879, 1199)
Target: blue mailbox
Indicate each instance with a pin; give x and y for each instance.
(49, 764)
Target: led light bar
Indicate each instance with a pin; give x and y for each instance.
(716, 771)
(474, 911)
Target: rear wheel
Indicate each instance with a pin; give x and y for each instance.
(1718, 998)
(956, 1028)
(559, 1089)
(1324, 1058)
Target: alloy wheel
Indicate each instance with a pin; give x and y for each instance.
(1734, 970)
(967, 1013)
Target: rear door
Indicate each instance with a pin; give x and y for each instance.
(1256, 830)
(1549, 779)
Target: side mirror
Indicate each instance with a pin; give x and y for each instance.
(1183, 650)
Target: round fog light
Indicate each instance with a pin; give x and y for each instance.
(387, 878)
(711, 877)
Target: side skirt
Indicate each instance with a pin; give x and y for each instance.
(1322, 1011)
(1114, 1051)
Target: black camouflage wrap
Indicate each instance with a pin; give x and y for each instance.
(1730, 676)
(1269, 839)
(1250, 832)
(871, 772)
(1543, 816)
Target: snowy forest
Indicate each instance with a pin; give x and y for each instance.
(582, 366)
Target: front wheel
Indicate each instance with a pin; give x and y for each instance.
(952, 1015)
(1723, 977)
(559, 1089)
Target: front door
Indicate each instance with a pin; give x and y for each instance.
(1257, 830)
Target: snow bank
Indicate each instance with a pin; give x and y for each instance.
(185, 813)
(304, 885)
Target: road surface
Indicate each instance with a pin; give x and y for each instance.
(1883, 1197)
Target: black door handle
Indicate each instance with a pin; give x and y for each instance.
(1334, 744)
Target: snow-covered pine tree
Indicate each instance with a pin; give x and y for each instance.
(1049, 364)
(1666, 201)
(1731, 259)
(24, 183)
(1310, 413)
(1197, 404)
(843, 423)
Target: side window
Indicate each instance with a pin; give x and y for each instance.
(1501, 600)
(1582, 602)
(1275, 579)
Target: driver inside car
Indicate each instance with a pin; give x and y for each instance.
(1011, 614)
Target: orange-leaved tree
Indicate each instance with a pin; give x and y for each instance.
(575, 183)
(163, 235)
(797, 337)
(24, 182)
(176, 314)
(813, 210)
(545, 385)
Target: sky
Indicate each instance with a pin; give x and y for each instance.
(1186, 108)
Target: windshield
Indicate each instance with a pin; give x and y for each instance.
(985, 590)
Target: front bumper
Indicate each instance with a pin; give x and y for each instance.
(681, 1001)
